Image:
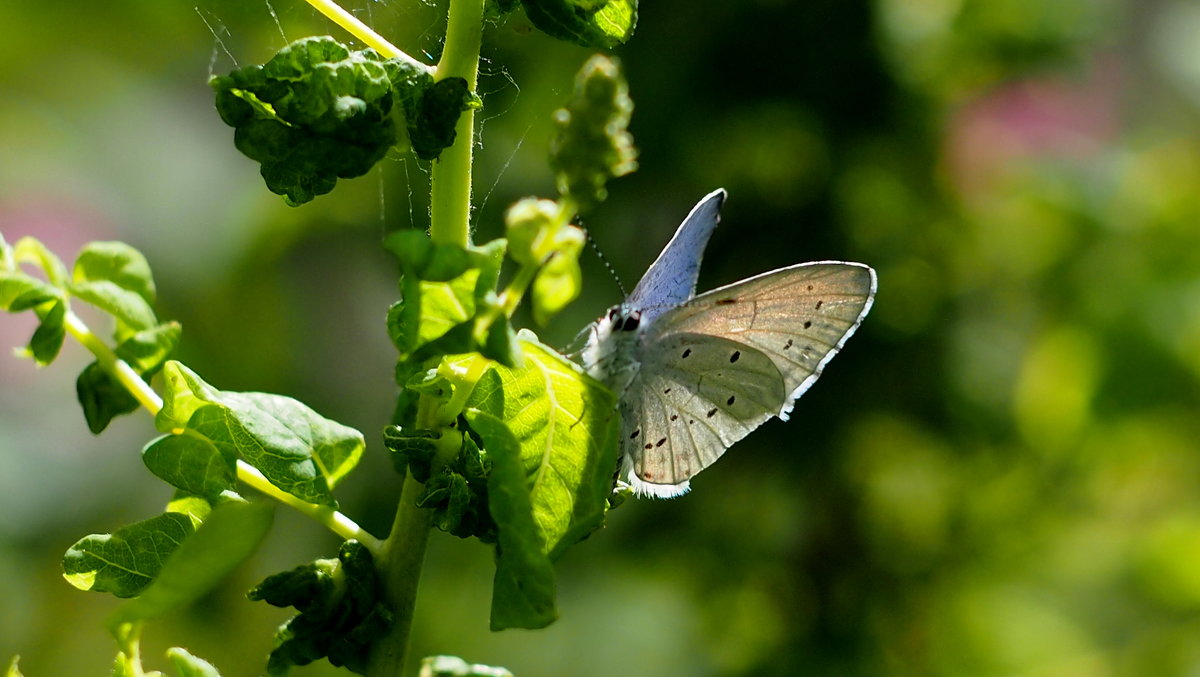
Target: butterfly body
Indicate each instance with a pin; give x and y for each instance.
(695, 374)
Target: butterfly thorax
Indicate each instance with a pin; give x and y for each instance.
(610, 355)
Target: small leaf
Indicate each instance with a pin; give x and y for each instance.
(20, 292)
(523, 591)
(126, 561)
(191, 463)
(48, 338)
(116, 278)
(13, 670)
(230, 534)
(188, 665)
(559, 281)
(431, 125)
(102, 396)
(591, 23)
(118, 263)
(31, 250)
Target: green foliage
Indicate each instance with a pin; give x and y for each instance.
(593, 144)
(229, 534)
(116, 278)
(340, 612)
(449, 303)
(295, 448)
(125, 562)
(318, 111)
(187, 665)
(102, 396)
(13, 670)
(537, 236)
(590, 23)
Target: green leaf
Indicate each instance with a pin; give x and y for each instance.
(453, 666)
(118, 263)
(126, 561)
(295, 448)
(523, 590)
(559, 280)
(20, 292)
(230, 534)
(48, 338)
(432, 121)
(593, 143)
(565, 424)
(13, 670)
(591, 23)
(31, 250)
(188, 665)
(314, 113)
(185, 392)
(102, 396)
(411, 450)
(191, 463)
(340, 617)
(116, 278)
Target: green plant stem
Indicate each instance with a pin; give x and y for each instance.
(125, 374)
(399, 565)
(333, 520)
(450, 193)
(335, 13)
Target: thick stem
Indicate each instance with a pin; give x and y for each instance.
(450, 195)
(399, 565)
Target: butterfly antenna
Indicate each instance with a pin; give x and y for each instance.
(603, 259)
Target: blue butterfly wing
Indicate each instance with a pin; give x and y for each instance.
(671, 279)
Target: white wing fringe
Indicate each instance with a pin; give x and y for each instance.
(643, 489)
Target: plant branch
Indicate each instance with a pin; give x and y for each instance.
(333, 520)
(335, 13)
(450, 194)
(399, 565)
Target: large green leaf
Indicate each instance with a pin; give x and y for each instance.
(127, 560)
(523, 590)
(566, 426)
(295, 448)
(230, 534)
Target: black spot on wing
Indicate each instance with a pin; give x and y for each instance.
(686, 352)
(734, 357)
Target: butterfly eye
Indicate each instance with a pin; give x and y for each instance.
(632, 321)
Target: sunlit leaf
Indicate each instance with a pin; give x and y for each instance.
(126, 561)
(230, 534)
(187, 665)
(523, 592)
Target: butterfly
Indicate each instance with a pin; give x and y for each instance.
(695, 374)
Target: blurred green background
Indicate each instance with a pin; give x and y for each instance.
(999, 476)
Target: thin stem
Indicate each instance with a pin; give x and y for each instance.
(333, 520)
(450, 194)
(399, 565)
(335, 13)
(114, 365)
